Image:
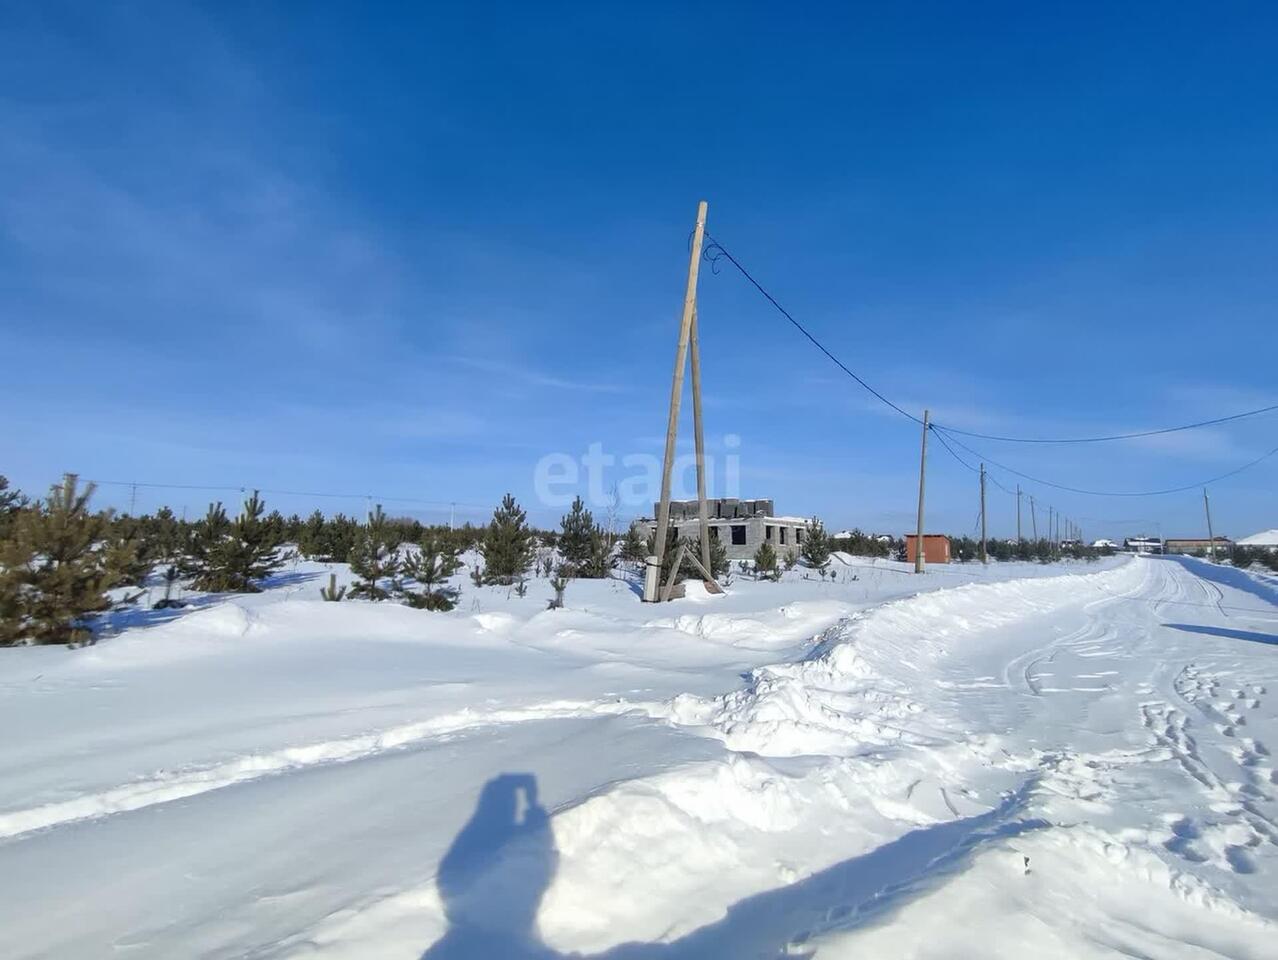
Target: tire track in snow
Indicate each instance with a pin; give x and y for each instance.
(166, 786)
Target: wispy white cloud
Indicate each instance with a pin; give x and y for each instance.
(531, 376)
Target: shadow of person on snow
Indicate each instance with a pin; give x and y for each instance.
(493, 877)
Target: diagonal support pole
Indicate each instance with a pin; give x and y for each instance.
(676, 395)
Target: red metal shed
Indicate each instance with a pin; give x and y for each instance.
(936, 548)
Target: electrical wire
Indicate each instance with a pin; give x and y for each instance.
(714, 251)
(1116, 436)
(287, 493)
(952, 453)
(1111, 493)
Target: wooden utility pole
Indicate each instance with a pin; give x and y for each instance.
(1033, 518)
(1211, 537)
(702, 509)
(1018, 514)
(686, 333)
(984, 557)
(918, 537)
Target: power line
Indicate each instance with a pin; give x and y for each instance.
(1116, 436)
(1113, 493)
(952, 453)
(712, 253)
(714, 250)
(988, 475)
(244, 488)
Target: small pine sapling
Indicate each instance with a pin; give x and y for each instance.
(634, 548)
(816, 545)
(431, 566)
(559, 583)
(508, 544)
(765, 562)
(373, 558)
(170, 578)
(333, 593)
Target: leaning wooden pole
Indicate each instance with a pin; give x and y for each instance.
(918, 537)
(1019, 538)
(703, 511)
(984, 557)
(1211, 536)
(676, 394)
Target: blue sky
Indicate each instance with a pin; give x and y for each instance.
(411, 251)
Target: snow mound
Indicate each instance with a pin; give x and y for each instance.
(855, 694)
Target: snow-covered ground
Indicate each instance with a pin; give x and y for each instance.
(1013, 761)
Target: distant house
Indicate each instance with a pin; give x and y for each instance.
(742, 526)
(1104, 545)
(1197, 545)
(1266, 539)
(1143, 544)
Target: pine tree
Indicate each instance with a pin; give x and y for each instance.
(719, 565)
(338, 539)
(56, 569)
(333, 593)
(373, 558)
(634, 548)
(600, 561)
(508, 544)
(11, 501)
(133, 553)
(165, 535)
(171, 574)
(578, 535)
(310, 539)
(257, 545)
(559, 583)
(584, 545)
(430, 567)
(765, 561)
(233, 557)
(273, 527)
(816, 545)
(205, 536)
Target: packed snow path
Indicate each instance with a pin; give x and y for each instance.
(1071, 762)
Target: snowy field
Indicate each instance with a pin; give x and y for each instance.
(1017, 761)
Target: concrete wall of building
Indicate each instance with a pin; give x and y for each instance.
(785, 535)
(720, 508)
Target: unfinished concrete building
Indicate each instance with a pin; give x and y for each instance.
(742, 526)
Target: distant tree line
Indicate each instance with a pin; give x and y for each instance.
(1042, 550)
(1244, 557)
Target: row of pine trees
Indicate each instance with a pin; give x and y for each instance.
(62, 563)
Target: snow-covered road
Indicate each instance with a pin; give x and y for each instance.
(1048, 762)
